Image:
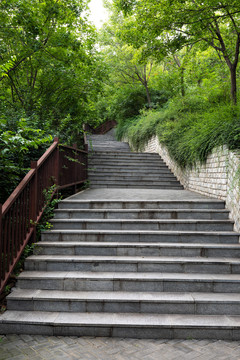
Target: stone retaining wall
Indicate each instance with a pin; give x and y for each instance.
(219, 177)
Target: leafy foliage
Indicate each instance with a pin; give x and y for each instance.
(50, 75)
(163, 26)
(49, 64)
(17, 149)
(188, 127)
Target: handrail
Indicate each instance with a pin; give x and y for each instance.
(48, 152)
(27, 178)
(17, 191)
(102, 128)
(61, 166)
(105, 127)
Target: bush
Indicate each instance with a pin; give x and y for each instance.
(190, 127)
(139, 129)
(17, 149)
(194, 136)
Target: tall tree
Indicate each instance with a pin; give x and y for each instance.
(48, 63)
(125, 62)
(160, 25)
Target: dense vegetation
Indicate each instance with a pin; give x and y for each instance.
(192, 49)
(157, 67)
(50, 75)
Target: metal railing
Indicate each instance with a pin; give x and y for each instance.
(61, 166)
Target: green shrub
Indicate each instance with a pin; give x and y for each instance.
(17, 149)
(144, 129)
(190, 127)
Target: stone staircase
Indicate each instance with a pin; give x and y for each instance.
(106, 142)
(131, 170)
(140, 262)
(112, 165)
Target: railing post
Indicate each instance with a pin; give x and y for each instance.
(75, 167)
(2, 255)
(86, 155)
(56, 165)
(34, 200)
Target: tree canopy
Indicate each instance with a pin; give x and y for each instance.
(161, 25)
(49, 64)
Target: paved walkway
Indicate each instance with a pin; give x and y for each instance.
(53, 348)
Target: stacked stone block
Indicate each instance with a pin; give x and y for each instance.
(219, 177)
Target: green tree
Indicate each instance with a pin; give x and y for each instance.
(125, 63)
(160, 25)
(48, 63)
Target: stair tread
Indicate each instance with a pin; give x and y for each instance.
(144, 210)
(113, 275)
(147, 221)
(128, 174)
(120, 319)
(30, 294)
(128, 152)
(141, 201)
(126, 182)
(138, 245)
(139, 185)
(132, 259)
(153, 232)
(97, 174)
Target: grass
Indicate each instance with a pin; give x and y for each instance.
(190, 127)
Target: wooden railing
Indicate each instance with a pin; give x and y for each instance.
(60, 167)
(101, 129)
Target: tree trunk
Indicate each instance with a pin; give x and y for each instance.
(182, 82)
(148, 96)
(233, 71)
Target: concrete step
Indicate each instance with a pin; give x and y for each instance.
(121, 325)
(127, 164)
(100, 177)
(137, 249)
(125, 302)
(108, 142)
(147, 182)
(132, 155)
(129, 155)
(126, 160)
(141, 214)
(132, 264)
(142, 224)
(109, 149)
(138, 204)
(117, 155)
(129, 172)
(142, 236)
(129, 281)
(155, 170)
(135, 186)
(115, 145)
